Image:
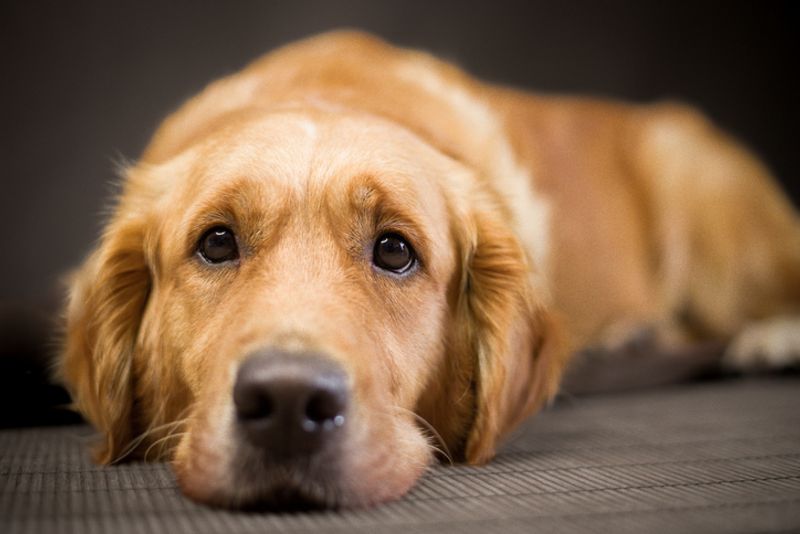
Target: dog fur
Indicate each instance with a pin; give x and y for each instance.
(544, 226)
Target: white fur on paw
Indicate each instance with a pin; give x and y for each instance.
(770, 344)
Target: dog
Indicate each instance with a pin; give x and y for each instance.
(349, 259)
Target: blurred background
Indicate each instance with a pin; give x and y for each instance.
(84, 84)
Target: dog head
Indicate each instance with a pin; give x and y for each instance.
(307, 304)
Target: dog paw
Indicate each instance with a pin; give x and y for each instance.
(765, 345)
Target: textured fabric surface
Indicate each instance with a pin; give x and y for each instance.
(711, 457)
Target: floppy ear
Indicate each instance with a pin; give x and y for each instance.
(516, 345)
(106, 300)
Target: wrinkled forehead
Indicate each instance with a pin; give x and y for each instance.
(305, 155)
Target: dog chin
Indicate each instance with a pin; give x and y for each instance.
(242, 477)
(281, 490)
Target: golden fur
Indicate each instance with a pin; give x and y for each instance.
(536, 220)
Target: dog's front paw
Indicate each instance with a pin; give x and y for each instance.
(773, 343)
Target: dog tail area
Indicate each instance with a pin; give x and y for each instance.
(727, 237)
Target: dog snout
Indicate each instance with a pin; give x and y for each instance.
(290, 404)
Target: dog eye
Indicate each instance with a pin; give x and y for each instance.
(393, 253)
(218, 245)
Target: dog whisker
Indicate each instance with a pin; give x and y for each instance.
(434, 434)
(152, 429)
(161, 441)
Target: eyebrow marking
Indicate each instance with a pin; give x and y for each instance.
(379, 211)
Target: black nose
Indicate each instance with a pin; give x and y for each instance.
(290, 403)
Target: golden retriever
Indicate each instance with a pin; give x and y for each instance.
(348, 258)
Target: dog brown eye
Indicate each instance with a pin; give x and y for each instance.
(393, 253)
(218, 245)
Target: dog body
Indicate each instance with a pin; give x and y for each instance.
(265, 221)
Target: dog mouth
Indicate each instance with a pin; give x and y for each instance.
(294, 482)
(258, 485)
(291, 498)
(242, 477)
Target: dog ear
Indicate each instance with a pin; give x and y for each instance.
(517, 348)
(106, 301)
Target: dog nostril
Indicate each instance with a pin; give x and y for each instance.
(260, 407)
(252, 402)
(324, 409)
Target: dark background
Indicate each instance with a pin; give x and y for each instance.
(84, 84)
